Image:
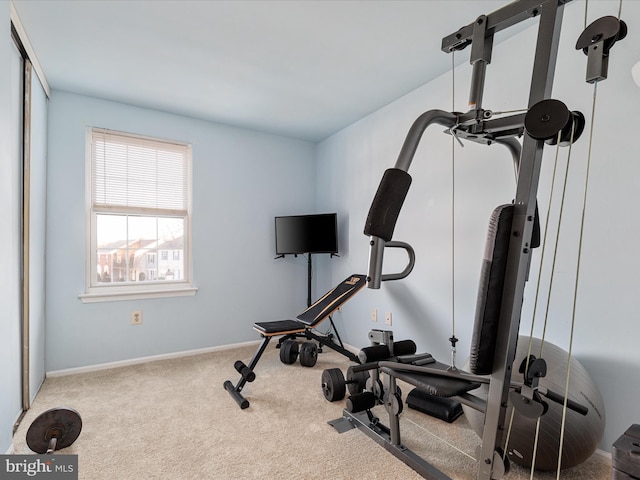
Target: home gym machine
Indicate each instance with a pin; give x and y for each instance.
(509, 244)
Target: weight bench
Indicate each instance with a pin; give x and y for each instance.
(301, 327)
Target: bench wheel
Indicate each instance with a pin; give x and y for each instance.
(308, 354)
(333, 384)
(289, 351)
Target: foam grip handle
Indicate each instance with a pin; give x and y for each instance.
(245, 371)
(386, 205)
(404, 347)
(374, 353)
(360, 402)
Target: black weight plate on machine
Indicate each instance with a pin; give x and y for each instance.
(64, 424)
(358, 381)
(333, 384)
(289, 351)
(308, 354)
(545, 119)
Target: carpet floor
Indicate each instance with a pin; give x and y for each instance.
(172, 419)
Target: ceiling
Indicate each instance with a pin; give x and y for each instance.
(303, 69)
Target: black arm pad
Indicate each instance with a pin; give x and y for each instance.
(387, 203)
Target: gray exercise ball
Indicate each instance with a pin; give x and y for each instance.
(582, 432)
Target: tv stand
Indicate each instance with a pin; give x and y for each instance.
(309, 302)
(309, 271)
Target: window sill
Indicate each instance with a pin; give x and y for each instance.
(96, 297)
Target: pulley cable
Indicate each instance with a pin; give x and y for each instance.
(535, 449)
(453, 338)
(577, 277)
(555, 249)
(543, 251)
(586, 10)
(550, 289)
(506, 442)
(537, 296)
(620, 10)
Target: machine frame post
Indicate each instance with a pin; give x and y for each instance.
(519, 256)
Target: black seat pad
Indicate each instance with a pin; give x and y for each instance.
(278, 326)
(434, 384)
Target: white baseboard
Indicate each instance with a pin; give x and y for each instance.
(352, 349)
(604, 457)
(152, 358)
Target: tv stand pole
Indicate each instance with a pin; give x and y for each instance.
(309, 281)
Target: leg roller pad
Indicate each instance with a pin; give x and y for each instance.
(439, 407)
(374, 353)
(361, 402)
(404, 347)
(245, 371)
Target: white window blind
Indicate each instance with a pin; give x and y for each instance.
(137, 173)
(139, 209)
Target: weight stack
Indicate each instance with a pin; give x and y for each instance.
(625, 456)
(439, 407)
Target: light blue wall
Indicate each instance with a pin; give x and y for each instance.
(10, 191)
(350, 165)
(241, 180)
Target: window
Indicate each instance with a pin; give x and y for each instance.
(139, 210)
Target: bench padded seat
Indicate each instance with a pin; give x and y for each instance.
(277, 327)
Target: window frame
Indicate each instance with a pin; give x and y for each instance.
(95, 292)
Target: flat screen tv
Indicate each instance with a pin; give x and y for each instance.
(307, 234)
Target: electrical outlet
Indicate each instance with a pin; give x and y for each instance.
(387, 318)
(136, 317)
(374, 315)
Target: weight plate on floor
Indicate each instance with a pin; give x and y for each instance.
(64, 424)
(308, 354)
(288, 351)
(333, 384)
